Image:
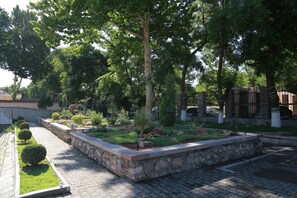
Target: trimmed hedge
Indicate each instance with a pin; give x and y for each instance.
(25, 134)
(19, 122)
(24, 125)
(33, 154)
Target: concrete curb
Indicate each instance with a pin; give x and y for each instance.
(279, 140)
(17, 172)
(62, 189)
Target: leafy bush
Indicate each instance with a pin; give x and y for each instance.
(20, 118)
(89, 113)
(24, 125)
(96, 118)
(18, 123)
(78, 119)
(45, 102)
(112, 120)
(25, 135)
(167, 107)
(124, 121)
(33, 154)
(141, 120)
(55, 116)
(65, 114)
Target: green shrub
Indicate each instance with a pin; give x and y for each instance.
(89, 113)
(65, 114)
(45, 102)
(78, 119)
(141, 120)
(96, 118)
(112, 120)
(18, 123)
(24, 125)
(124, 121)
(20, 118)
(168, 101)
(33, 154)
(25, 135)
(55, 116)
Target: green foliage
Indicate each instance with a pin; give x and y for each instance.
(96, 118)
(25, 134)
(33, 154)
(20, 118)
(168, 103)
(78, 119)
(65, 114)
(24, 125)
(44, 102)
(55, 116)
(89, 113)
(112, 119)
(19, 122)
(124, 121)
(141, 120)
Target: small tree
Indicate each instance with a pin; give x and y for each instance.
(24, 125)
(168, 106)
(33, 154)
(25, 135)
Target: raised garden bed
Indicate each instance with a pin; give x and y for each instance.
(157, 162)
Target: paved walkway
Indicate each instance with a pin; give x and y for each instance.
(7, 166)
(254, 179)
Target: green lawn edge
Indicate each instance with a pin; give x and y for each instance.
(36, 178)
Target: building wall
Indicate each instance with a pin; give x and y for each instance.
(26, 104)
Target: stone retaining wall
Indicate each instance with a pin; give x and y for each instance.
(157, 162)
(59, 130)
(153, 163)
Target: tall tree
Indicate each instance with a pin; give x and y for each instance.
(25, 54)
(267, 39)
(73, 20)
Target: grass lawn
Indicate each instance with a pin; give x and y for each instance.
(169, 137)
(35, 178)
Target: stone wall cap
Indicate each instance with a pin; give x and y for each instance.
(134, 155)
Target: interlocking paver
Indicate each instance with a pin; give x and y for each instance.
(87, 179)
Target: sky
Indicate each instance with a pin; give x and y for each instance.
(6, 77)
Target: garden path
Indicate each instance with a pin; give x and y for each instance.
(87, 179)
(7, 166)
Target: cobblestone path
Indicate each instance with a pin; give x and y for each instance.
(253, 179)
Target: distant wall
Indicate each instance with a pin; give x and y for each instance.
(28, 114)
(26, 104)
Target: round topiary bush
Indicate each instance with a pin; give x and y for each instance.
(33, 154)
(25, 135)
(19, 122)
(55, 116)
(24, 125)
(20, 118)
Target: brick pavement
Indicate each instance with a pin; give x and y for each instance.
(87, 179)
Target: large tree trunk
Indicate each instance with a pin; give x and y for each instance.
(183, 96)
(273, 100)
(16, 87)
(147, 64)
(221, 99)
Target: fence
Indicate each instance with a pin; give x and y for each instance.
(246, 103)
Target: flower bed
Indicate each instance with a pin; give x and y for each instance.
(157, 162)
